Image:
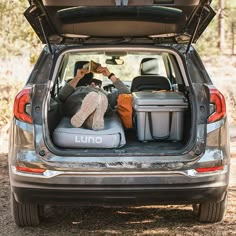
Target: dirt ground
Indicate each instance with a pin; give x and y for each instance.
(155, 220)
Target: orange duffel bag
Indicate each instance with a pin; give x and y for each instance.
(125, 110)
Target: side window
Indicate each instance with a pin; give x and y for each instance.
(172, 74)
(173, 70)
(163, 71)
(68, 69)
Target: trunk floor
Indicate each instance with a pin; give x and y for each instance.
(135, 147)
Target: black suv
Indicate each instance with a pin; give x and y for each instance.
(177, 150)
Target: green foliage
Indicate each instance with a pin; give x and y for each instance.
(16, 36)
(209, 41)
(208, 44)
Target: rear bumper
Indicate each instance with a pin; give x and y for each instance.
(118, 197)
(102, 189)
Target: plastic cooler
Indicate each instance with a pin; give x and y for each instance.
(159, 115)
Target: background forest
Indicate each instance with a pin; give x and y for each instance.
(17, 38)
(20, 47)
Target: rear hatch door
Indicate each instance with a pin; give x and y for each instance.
(70, 21)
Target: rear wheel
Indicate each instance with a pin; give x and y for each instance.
(27, 214)
(195, 209)
(212, 211)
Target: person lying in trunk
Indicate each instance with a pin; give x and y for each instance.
(85, 101)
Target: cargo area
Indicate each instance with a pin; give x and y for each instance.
(161, 124)
(161, 115)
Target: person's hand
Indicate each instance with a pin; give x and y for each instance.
(81, 73)
(103, 70)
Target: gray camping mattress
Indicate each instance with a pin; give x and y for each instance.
(112, 136)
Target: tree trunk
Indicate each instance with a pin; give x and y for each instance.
(221, 25)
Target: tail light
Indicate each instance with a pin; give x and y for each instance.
(217, 106)
(208, 169)
(22, 104)
(31, 170)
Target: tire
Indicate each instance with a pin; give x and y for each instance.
(195, 209)
(27, 214)
(212, 212)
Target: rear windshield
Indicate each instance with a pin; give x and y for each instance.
(125, 66)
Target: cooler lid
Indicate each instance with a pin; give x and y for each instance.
(159, 98)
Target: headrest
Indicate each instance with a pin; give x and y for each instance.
(149, 66)
(87, 78)
(150, 82)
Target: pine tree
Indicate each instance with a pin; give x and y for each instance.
(221, 25)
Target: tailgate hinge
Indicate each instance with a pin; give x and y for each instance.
(40, 5)
(45, 36)
(195, 29)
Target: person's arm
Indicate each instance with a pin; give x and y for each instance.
(121, 87)
(69, 87)
(80, 74)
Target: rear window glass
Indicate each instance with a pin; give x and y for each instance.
(128, 66)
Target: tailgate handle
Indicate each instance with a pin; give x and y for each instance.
(122, 2)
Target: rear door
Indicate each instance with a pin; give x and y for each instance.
(71, 21)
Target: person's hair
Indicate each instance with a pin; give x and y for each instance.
(96, 81)
(86, 80)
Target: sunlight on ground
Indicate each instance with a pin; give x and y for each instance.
(15, 69)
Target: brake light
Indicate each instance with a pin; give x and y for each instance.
(207, 169)
(22, 99)
(31, 170)
(218, 102)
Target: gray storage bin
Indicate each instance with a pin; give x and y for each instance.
(159, 115)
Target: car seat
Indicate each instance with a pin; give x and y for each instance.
(149, 78)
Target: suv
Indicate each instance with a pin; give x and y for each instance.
(177, 150)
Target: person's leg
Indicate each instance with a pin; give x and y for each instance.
(88, 106)
(96, 120)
